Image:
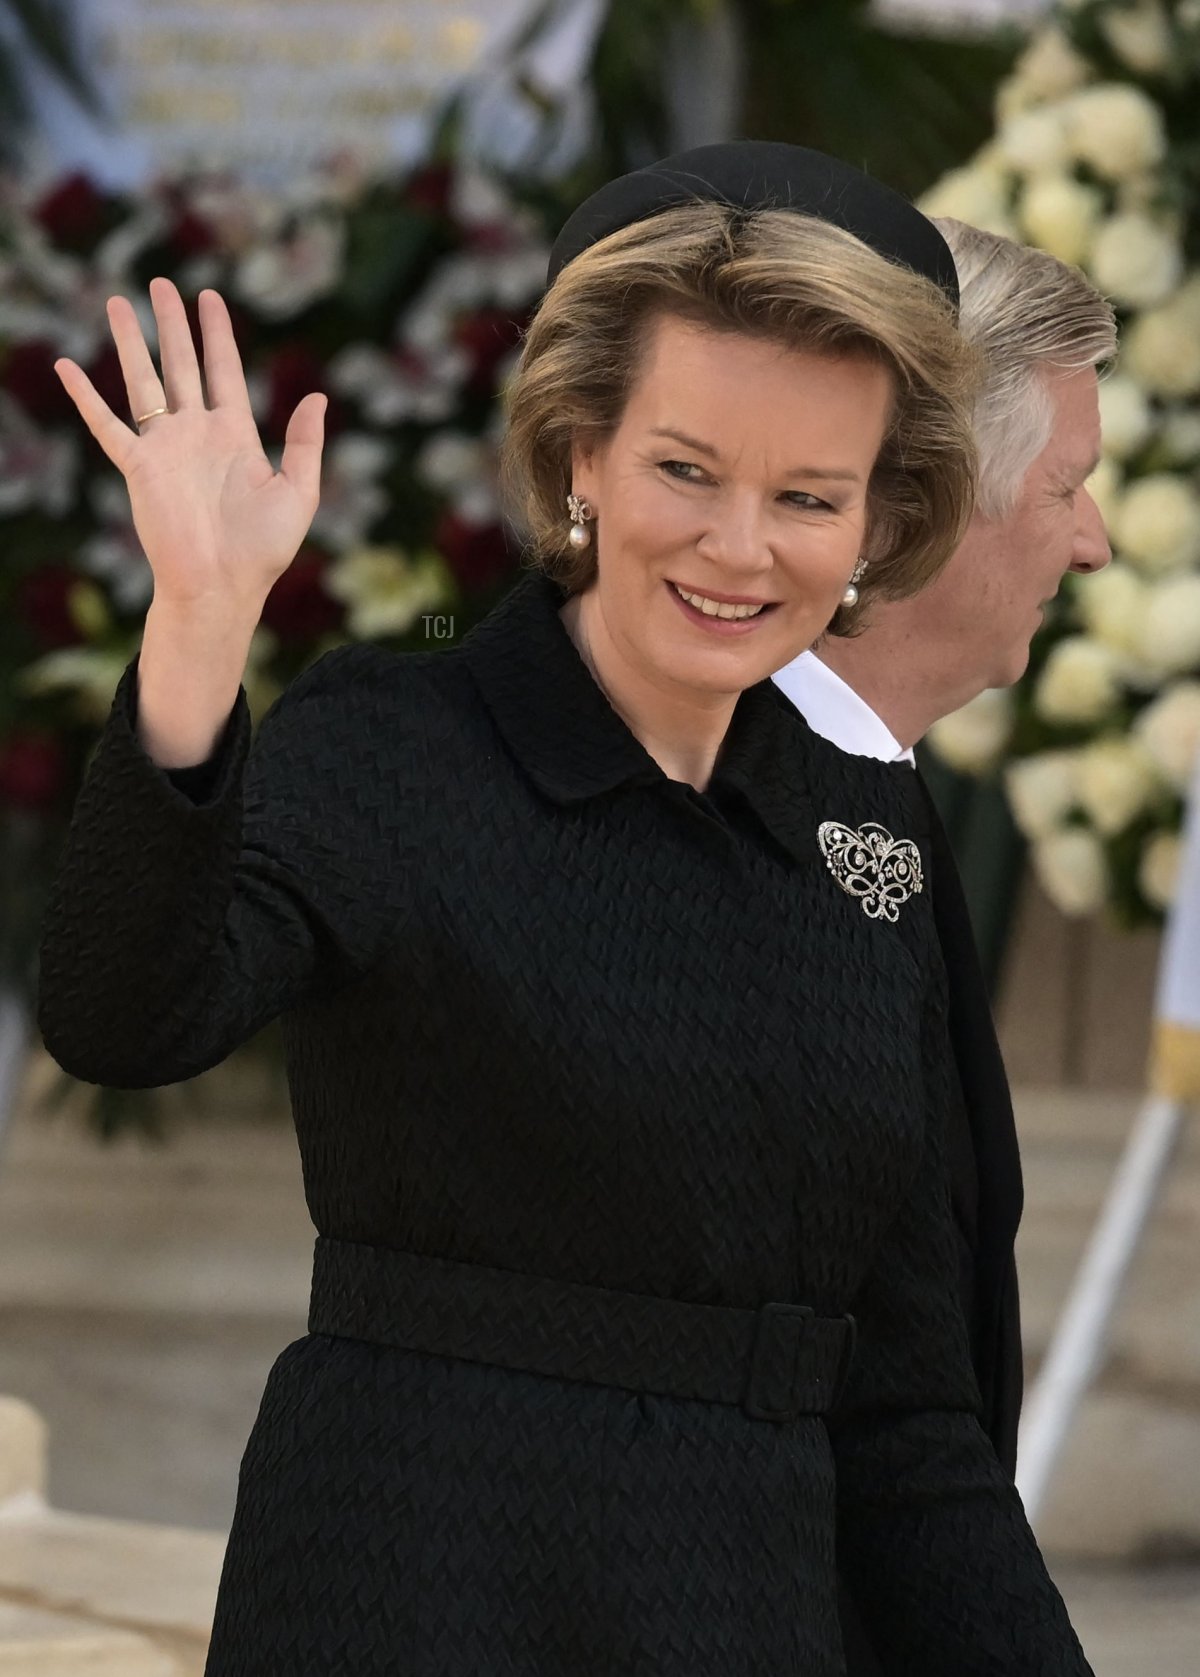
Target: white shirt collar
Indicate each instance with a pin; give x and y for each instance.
(833, 709)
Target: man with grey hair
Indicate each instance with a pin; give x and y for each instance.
(1044, 331)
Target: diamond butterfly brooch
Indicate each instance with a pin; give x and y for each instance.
(868, 863)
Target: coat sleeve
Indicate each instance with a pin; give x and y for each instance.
(191, 907)
(932, 1534)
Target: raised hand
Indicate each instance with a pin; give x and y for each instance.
(218, 524)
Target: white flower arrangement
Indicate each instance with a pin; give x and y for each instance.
(1060, 214)
(1140, 35)
(422, 281)
(1099, 740)
(1116, 129)
(974, 737)
(1071, 865)
(1157, 523)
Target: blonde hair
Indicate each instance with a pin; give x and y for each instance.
(774, 274)
(1027, 312)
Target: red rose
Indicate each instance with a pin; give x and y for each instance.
(73, 213)
(476, 553)
(488, 336)
(294, 372)
(429, 188)
(492, 236)
(40, 604)
(190, 235)
(298, 607)
(31, 769)
(29, 377)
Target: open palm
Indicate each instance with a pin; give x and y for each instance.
(218, 524)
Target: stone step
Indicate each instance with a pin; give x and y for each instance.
(133, 1573)
(1127, 1486)
(34, 1643)
(84, 1596)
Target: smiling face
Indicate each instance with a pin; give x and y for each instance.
(977, 618)
(739, 472)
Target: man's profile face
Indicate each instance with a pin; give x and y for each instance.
(985, 607)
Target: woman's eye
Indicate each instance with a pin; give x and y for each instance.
(679, 469)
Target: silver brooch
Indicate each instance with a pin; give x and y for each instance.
(868, 863)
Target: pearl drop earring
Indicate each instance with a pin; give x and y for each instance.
(850, 597)
(579, 511)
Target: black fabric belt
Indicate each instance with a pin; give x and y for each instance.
(776, 1362)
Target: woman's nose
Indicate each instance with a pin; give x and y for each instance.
(1092, 550)
(734, 534)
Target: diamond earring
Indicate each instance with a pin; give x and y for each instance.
(850, 597)
(579, 511)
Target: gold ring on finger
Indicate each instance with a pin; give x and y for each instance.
(150, 415)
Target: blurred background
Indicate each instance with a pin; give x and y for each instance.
(373, 189)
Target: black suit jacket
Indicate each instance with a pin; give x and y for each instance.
(988, 1192)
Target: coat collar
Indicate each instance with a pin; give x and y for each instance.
(573, 745)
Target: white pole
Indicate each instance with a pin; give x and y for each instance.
(14, 1053)
(1082, 1333)
(704, 78)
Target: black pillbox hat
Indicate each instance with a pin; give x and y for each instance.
(765, 174)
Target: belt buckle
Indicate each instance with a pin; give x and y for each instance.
(847, 1357)
(775, 1311)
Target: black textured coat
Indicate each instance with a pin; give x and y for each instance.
(987, 1184)
(547, 1010)
(987, 1193)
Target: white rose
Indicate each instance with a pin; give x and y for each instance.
(1187, 299)
(1059, 214)
(1157, 523)
(1041, 790)
(384, 589)
(977, 196)
(1139, 35)
(1050, 65)
(1135, 260)
(1071, 867)
(1115, 779)
(1180, 435)
(1078, 682)
(973, 737)
(1034, 140)
(1162, 347)
(1171, 625)
(1139, 192)
(1140, 676)
(87, 675)
(1113, 606)
(1115, 128)
(451, 459)
(1158, 870)
(1169, 728)
(1126, 420)
(1104, 486)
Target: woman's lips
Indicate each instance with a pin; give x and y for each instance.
(717, 625)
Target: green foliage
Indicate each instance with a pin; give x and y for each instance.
(903, 107)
